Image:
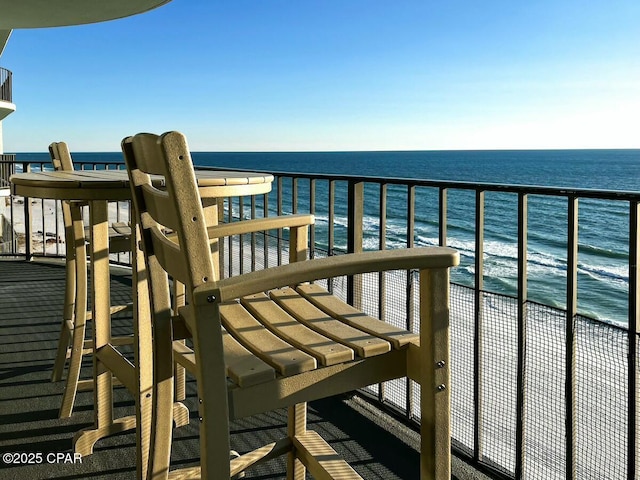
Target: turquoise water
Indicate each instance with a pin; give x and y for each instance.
(603, 234)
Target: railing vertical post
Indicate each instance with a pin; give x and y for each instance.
(312, 211)
(253, 235)
(294, 195)
(382, 245)
(478, 325)
(522, 337)
(382, 283)
(229, 240)
(633, 402)
(570, 333)
(411, 226)
(265, 236)
(330, 226)
(28, 227)
(221, 262)
(240, 237)
(442, 217)
(294, 198)
(279, 212)
(355, 213)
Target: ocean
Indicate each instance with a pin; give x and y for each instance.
(603, 274)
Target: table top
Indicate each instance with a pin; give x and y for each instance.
(114, 184)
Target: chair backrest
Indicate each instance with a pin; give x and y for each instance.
(60, 156)
(61, 159)
(174, 205)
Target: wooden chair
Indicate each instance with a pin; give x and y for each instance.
(72, 344)
(269, 339)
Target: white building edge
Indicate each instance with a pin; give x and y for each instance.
(6, 106)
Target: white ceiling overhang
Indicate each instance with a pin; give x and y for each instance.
(4, 37)
(56, 13)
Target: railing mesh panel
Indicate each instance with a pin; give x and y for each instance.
(600, 377)
(601, 385)
(462, 371)
(499, 380)
(545, 392)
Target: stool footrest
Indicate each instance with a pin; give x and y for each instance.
(321, 460)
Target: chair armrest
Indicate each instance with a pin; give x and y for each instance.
(350, 264)
(259, 224)
(254, 225)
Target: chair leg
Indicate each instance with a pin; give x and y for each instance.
(67, 314)
(75, 364)
(212, 397)
(163, 411)
(162, 414)
(62, 351)
(296, 425)
(435, 429)
(80, 317)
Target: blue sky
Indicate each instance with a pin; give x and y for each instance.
(257, 75)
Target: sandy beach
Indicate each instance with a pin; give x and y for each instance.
(47, 223)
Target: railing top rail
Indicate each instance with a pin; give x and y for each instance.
(441, 184)
(462, 185)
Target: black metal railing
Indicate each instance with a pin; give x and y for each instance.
(35, 228)
(539, 389)
(5, 85)
(7, 168)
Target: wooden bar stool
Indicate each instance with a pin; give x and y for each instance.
(72, 345)
(270, 339)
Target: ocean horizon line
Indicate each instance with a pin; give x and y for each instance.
(435, 150)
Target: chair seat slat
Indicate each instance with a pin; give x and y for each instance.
(286, 359)
(324, 349)
(364, 344)
(354, 317)
(243, 367)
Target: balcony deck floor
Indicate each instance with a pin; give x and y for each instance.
(30, 305)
